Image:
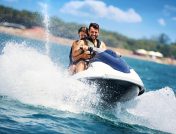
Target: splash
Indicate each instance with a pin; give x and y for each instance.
(153, 109)
(46, 22)
(32, 78)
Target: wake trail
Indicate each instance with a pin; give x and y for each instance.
(153, 109)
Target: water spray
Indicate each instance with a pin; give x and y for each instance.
(46, 23)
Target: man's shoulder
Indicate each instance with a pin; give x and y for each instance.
(103, 45)
(102, 42)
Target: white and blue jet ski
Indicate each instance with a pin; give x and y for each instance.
(115, 79)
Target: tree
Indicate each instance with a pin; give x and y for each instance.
(163, 39)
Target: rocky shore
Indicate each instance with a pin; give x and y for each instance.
(40, 34)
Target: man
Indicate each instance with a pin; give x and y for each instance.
(81, 53)
(83, 33)
(93, 36)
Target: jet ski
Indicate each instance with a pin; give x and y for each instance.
(116, 81)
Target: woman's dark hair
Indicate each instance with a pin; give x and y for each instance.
(83, 29)
(94, 25)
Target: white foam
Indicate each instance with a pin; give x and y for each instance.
(153, 109)
(32, 77)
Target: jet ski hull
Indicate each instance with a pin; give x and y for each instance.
(113, 90)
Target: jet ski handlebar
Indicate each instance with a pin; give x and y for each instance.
(99, 50)
(95, 49)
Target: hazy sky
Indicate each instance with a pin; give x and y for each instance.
(133, 18)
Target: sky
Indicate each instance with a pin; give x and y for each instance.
(132, 18)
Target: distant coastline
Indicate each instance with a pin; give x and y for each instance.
(39, 34)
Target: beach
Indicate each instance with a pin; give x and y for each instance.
(39, 33)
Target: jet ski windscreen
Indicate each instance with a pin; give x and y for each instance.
(112, 59)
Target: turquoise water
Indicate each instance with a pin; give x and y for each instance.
(38, 96)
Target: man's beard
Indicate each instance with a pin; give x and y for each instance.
(94, 37)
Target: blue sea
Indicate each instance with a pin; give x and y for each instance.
(37, 96)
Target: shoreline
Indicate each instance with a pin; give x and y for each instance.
(38, 33)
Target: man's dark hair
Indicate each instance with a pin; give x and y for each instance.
(94, 25)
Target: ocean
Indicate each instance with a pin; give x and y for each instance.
(37, 96)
